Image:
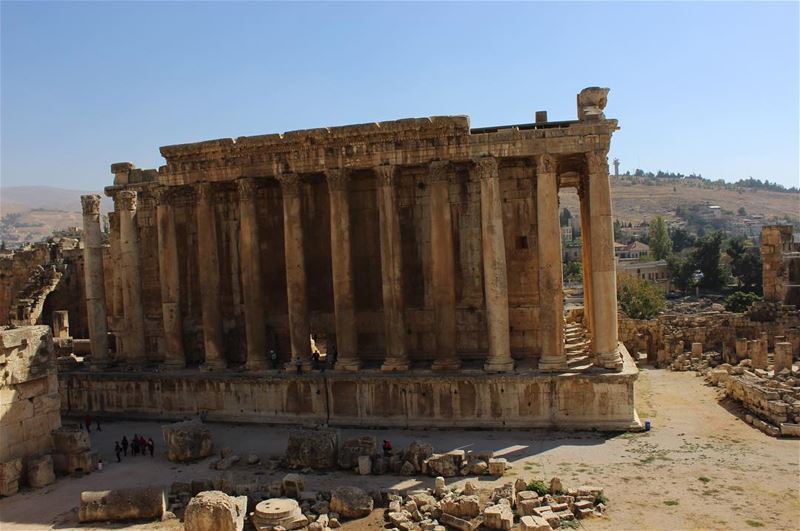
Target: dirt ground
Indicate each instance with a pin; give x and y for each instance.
(699, 468)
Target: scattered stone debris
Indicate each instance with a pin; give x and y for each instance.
(315, 449)
(188, 440)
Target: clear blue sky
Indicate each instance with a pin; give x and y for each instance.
(697, 87)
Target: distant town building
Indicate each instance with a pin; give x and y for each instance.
(635, 250)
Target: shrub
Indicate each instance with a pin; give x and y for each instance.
(740, 301)
(638, 298)
(539, 487)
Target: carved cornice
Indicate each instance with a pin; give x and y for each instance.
(486, 167)
(247, 188)
(386, 174)
(290, 182)
(440, 170)
(596, 163)
(90, 204)
(126, 200)
(545, 163)
(338, 178)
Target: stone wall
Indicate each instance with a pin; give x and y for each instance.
(29, 399)
(368, 399)
(781, 269)
(14, 273)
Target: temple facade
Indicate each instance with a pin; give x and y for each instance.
(411, 247)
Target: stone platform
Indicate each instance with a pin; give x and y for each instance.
(579, 399)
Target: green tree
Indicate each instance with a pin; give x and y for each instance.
(681, 239)
(742, 211)
(680, 271)
(3, 245)
(617, 231)
(660, 242)
(706, 257)
(573, 271)
(638, 298)
(740, 301)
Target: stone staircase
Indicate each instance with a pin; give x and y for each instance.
(577, 346)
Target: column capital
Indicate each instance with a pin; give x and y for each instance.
(204, 191)
(248, 187)
(90, 204)
(486, 167)
(290, 182)
(545, 163)
(126, 200)
(386, 174)
(338, 178)
(440, 170)
(162, 194)
(596, 162)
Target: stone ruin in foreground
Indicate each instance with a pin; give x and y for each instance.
(426, 251)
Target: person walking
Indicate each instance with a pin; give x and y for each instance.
(118, 451)
(143, 445)
(135, 445)
(274, 357)
(151, 446)
(125, 446)
(387, 448)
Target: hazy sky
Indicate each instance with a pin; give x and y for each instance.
(697, 87)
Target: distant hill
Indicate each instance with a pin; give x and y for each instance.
(32, 213)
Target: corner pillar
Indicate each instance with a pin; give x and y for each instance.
(95, 288)
(299, 326)
(604, 280)
(250, 266)
(586, 258)
(169, 279)
(208, 262)
(342, 271)
(443, 268)
(551, 282)
(495, 275)
(391, 271)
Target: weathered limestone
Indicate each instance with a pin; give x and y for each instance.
(208, 257)
(604, 280)
(60, 324)
(283, 512)
(95, 286)
(494, 266)
(10, 473)
(187, 441)
(351, 502)
(40, 471)
(551, 283)
(122, 504)
(169, 277)
(250, 264)
(443, 268)
(215, 511)
(134, 341)
(391, 271)
(72, 450)
(783, 357)
(342, 270)
(299, 327)
(317, 449)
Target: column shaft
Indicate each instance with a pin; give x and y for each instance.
(208, 258)
(131, 277)
(551, 283)
(169, 279)
(95, 288)
(495, 274)
(342, 271)
(117, 321)
(250, 266)
(391, 271)
(443, 268)
(586, 259)
(299, 326)
(604, 281)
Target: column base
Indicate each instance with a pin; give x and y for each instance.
(395, 364)
(498, 366)
(610, 360)
(447, 364)
(347, 365)
(552, 363)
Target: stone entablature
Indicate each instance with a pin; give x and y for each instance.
(345, 233)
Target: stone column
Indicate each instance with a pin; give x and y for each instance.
(208, 258)
(604, 280)
(61, 323)
(551, 282)
(117, 308)
(126, 203)
(783, 357)
(495, 275)
(342, 271)
(95, 288)
(250, 266)
(169, 279)
(443, 268)
(391, 271)
(299, 326)
(586, 258)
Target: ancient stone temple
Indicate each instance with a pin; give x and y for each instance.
(425, 253)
